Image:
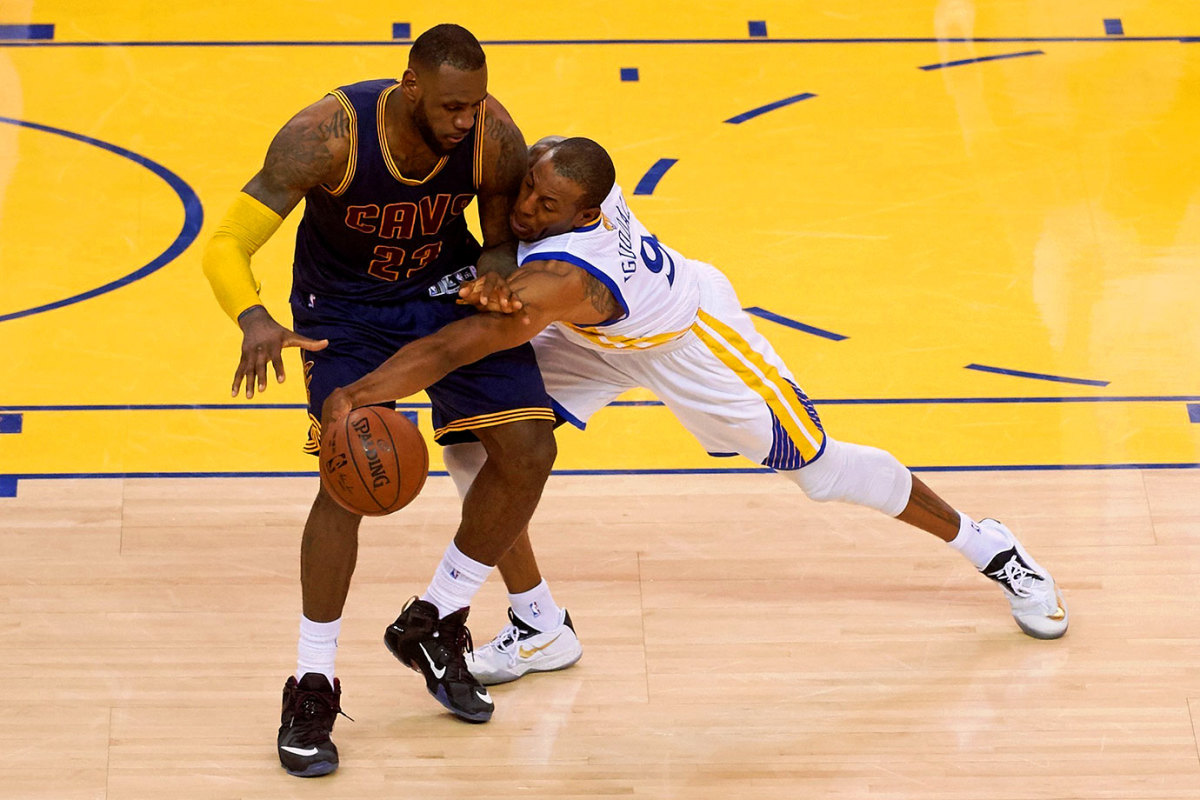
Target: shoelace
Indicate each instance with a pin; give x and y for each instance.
(459, 646)
(506, 642)
(311, 717)
(1020, 580)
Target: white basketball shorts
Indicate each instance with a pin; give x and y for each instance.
(721, 379)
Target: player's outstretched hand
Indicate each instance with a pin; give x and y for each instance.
(336, 406)
(263, 340)
(490, 292)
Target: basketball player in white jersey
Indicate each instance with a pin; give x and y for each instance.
(609, 308)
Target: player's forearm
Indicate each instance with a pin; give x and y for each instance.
(226, 259)
(422, 363)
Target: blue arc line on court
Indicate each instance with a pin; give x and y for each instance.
(1016, 373)
(757, 112)
(791, 323)
(946, 64)
(39, 32)
(649, 181)
(193, 218)
(1185, 38)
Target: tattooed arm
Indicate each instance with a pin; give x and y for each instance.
(311, 149)
(504, 161)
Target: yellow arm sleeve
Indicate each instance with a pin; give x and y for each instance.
(245, 228)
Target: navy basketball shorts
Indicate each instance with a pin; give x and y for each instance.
(500, 388)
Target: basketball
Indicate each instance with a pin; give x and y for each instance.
(373, 461)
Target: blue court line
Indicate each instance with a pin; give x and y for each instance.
(649, 181)
(791, 323)
(629, 74)
(1016, 373)
(8, 486)
(193, 218)
(755, 112)
(51, 476)
(10, 423)
(26, 31)
(1186, 38)
(946, 64)
(1113, 27)
(833, 401)
(401, 30)
(757, 28)
(1194, 412)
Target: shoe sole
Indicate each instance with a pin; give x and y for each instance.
(490, 681)
(439, 695)
(314, 770)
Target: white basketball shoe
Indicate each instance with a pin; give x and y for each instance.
(519, 649)
(1037, 604)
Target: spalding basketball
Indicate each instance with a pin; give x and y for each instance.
(373, 461)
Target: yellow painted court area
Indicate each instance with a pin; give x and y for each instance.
(1036, 213)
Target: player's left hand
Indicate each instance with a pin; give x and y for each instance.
(490, 292)
(336, 407)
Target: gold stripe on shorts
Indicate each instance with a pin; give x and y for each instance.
(497, 418)
(737, 354)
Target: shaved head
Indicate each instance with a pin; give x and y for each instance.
(586, 164)
(452, 45)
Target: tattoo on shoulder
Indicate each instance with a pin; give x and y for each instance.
(599, 296)
(301, 154)
(337, 126)
(510, 162)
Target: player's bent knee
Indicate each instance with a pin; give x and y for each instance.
(522, 449)
(853, 473)
(463, 462)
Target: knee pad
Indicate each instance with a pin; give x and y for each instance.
(852, 473)
(464, 462)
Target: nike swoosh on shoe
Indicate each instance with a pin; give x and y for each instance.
(309, 751)
(527, 652)
(437, 673)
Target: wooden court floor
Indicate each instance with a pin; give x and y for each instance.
(970, 227)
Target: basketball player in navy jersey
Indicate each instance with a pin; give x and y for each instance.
(610, 308)
(386, 170)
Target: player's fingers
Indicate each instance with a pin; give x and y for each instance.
(277, 363)
(237, 379)
(304, 343)
(261, 356)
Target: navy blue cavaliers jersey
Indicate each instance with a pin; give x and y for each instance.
(379, 236)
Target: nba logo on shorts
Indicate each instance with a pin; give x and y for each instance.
(534, 610)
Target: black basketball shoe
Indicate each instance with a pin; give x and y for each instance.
(310, 707)
(437, 648)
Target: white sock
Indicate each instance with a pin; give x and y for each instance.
(456, 581)
(318, 647)
(536, 608)
(978, 545)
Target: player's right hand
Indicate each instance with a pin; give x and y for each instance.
(263, 340)
(490, 292)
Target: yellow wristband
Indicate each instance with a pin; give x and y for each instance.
(226, 260)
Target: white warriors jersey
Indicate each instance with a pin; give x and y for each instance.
(656, 288)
